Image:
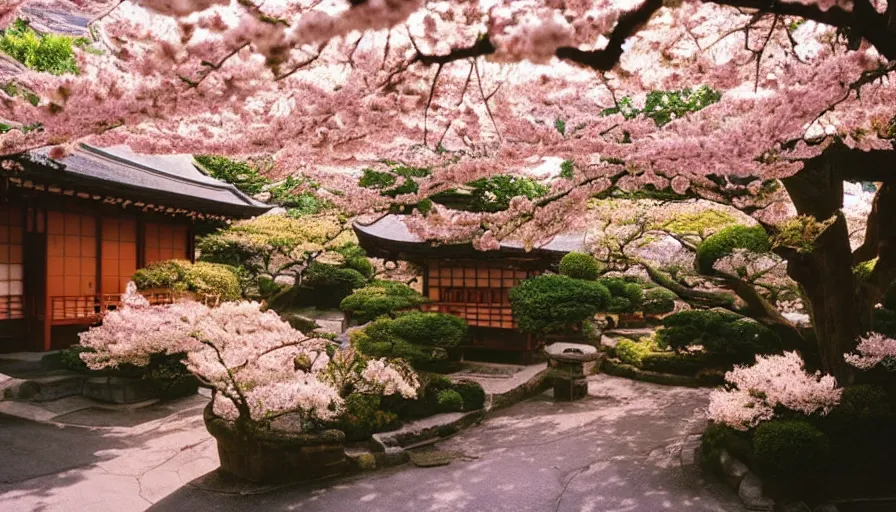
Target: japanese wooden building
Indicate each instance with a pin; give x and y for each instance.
(74, 230)
(471, 284)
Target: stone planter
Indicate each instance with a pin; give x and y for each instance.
(128, 390)
(272, 456)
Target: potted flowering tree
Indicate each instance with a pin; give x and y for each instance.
(275, 390)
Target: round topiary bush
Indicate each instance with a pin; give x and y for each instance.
(579, 265)
(420, 338)
(631, 352)
(330, 284)
(752, 238)
(171, 274)
(433, 329)
(450, 400)
(360, 264)
(627, 296)
(658, 301)
(472, 393)
(380, 298)
(790, 451)
(554, 303)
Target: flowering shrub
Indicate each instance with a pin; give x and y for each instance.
(873, 350)
(756, 393)
(258, 365)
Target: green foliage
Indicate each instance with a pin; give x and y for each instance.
(493, 194)
(450, 400)
(632, 352)
(884, 321)
(380, 298)
(419, 338)
(434, 329)
(658, 301)
(554, 303)
(567, 169)
(171, 274)
(362, 417)
(664, 106)
(790, 451)
(50, 53)
(800, 233)
(242, 175)
(472, 393)
(721, 333)
(863, 270)
(626, 296)
(579, 265)
(684, 363)
(214, 282)
(328, 285)
(386, 182)
(700, 223)
(560, 125)
(718, 437)
(211, 282)
(861, 426)
(723, 243)
(70, 358)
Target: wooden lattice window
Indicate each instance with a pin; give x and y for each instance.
(11, 267)
(474, 291)
(71, 263)
(165, 242)
(119, 249)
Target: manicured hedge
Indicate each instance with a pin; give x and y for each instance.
(579, 265)
(555, 303)
(790, 451)
(380, 298)
(658, 301)
(722, 333)
(419, 338)
(212, 282)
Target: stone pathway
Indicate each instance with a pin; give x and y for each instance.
(629, 446)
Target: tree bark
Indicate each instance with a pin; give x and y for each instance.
(839, 314)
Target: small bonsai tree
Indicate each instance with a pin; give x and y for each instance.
(555, 303)
(579, 265)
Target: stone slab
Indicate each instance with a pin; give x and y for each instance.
(421, 431)
(751, 494)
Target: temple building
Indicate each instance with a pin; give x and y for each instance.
(74, 230)
(471, 284)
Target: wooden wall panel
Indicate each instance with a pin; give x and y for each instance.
(119, 253)
(11, 263)
(165, 242)
(71, 254)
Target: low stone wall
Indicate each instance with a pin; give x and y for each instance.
(619, 369)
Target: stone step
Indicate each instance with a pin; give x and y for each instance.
(46, 387)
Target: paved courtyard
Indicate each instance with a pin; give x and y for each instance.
(627, 447)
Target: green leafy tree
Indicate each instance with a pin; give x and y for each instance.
(555, 303)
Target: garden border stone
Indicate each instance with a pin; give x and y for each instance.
(616, 368)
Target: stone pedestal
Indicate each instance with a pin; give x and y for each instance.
(567, 362)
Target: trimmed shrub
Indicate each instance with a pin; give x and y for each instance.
(432, 329)
(721, 244)
(70, 358)
(472, 393)
(631, 352)
(685, 363)
(790, 451)
(362, 417)
(450, 400)
(555, 303)
(861, 426)
(170, 274)
(722, 333)
(380, 298)
(420, 338)
(330, 284)
(214, 282)
(718, 437)
(658, 301)
(579, 265)
(626, 296)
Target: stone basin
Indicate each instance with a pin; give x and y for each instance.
(571, 352)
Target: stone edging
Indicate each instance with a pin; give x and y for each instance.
(618, 369)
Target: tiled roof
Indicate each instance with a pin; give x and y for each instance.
(165, 179)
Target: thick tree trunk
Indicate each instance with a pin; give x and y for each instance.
(839, 313)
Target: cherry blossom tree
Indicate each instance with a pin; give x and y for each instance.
(802, 102)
